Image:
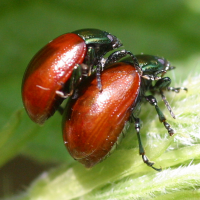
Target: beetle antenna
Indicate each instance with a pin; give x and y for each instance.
(171, 68)
(167, 104)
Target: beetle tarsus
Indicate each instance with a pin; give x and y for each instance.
(177, 90)
(149, 163)
(169, 129)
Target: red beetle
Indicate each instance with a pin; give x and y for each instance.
(93, 123)
(55, 69)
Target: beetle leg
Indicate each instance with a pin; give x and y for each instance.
(98, 75)
(152, 100)
(114, 57)
(151, 77)
(90, 62)
(162, 72)
(163, 84)
(117, 55)
(160, 85)
(177, 90)
(89, 59)
(141, 148)
(76, 77)
(155, 76)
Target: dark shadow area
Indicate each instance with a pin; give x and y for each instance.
(17, 175)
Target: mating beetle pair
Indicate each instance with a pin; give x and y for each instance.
(96, 114)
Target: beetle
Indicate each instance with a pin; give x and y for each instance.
(58, 67)
(93, 122)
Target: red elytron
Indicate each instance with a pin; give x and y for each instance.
(92, 123)
(47, 73)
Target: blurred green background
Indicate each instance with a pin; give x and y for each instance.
(166, 28)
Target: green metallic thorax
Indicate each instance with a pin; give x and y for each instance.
(101, 41)
(93, 36)
(151, 64)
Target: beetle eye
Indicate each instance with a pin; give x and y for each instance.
(116, 43)
(110, 37)
(162, 61)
